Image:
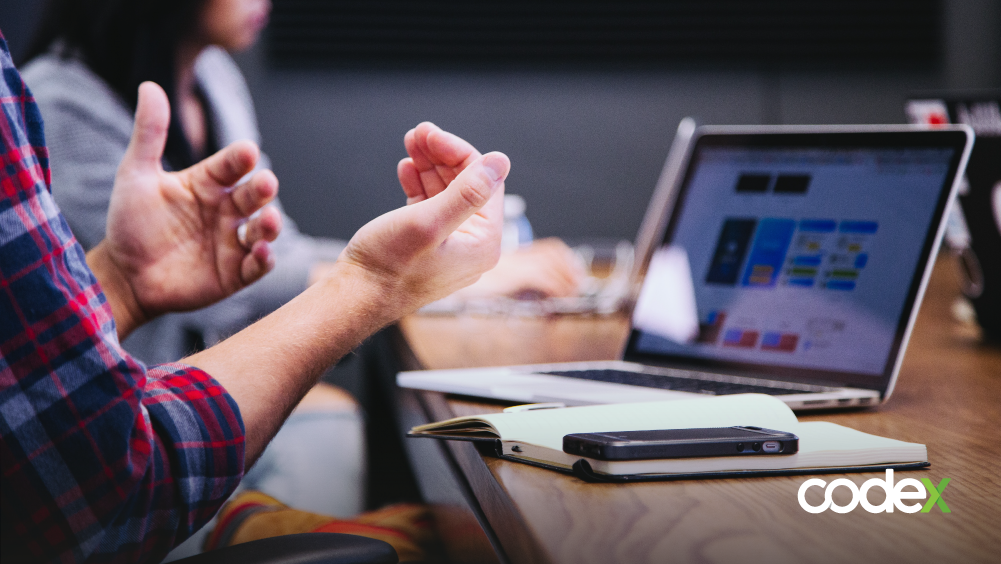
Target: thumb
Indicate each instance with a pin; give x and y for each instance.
(149, 134)
(467, 194)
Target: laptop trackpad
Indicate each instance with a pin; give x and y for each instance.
(542, 387)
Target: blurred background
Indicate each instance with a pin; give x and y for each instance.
(584, 96)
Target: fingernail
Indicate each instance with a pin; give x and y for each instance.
(497, 166)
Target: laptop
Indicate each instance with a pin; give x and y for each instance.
(807, 251)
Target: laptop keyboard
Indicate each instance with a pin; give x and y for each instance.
(680, 384)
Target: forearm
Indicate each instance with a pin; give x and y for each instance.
(124, 306)
(269, 366)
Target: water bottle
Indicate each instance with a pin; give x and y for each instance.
(517, 230)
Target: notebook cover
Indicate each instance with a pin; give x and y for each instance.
(582, 469)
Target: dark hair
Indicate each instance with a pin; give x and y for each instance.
(125, 42)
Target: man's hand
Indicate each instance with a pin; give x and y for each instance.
(436, 158)
(447, 235)
(547, 268)
(172, 242)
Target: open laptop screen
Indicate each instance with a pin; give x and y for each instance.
(806, 251)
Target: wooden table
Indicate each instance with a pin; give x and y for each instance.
(948, 397)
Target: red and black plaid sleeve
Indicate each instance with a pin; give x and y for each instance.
(103, 460)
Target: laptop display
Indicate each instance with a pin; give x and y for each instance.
(806, 251)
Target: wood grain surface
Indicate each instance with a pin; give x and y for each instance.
(948, 397)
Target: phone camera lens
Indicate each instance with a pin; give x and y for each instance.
(756, 447)
(740, 447)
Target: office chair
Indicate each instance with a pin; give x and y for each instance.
(307, 548)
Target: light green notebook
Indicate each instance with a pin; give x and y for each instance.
(536, 437)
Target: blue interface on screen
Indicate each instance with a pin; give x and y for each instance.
(803, 257)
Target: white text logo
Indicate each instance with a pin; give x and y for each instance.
(896, 495)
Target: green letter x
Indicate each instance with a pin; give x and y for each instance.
(935, 495)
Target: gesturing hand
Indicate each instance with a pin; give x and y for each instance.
(547, 268)
(448, 235)
(436, 158)
(450, 231)
(172, 242)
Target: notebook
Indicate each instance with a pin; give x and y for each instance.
(804, 252)
(536, 437)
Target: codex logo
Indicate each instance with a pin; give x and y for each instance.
(896, 495)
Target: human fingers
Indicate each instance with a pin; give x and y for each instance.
(258, 262)
(410, 180)
(548, 277)
(415, 142)
(256, 193)
(448, 149)
(554, 251)
(427, 152)
(430, 145)
(564, 282)
(470, 192)
(565, 263)
(263, 227)
(534, 286)
(438, 156)
(149, 134)
(528, 274)
(225, 168)
(450, 153)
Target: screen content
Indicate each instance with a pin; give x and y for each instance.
(802, 257)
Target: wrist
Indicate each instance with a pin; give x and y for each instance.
(125, 307)
(377, 296)
(320, 271)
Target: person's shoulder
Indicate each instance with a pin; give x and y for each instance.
(215, 69)
(66, 85)
(216, 61)
(228, 95)
(57, 77)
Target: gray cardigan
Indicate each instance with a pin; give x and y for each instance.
(87, 129)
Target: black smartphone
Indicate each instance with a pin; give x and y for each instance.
(681, 443)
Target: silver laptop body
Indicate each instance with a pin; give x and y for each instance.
(808, 248)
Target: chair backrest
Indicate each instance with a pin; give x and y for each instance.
(307, 548)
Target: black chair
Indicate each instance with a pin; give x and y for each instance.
(308, 548)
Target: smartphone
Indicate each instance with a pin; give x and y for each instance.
(681, 443)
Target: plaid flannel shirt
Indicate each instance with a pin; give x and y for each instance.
(103, 459)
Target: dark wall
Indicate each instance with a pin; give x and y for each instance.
(586, 146)
(17, 21)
